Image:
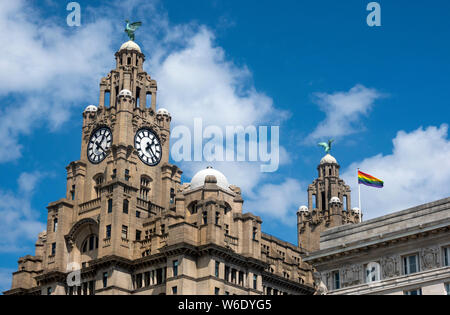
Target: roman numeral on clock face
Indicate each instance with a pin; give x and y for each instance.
(148, 146)
(99, 144)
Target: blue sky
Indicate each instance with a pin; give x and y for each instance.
(312, 67)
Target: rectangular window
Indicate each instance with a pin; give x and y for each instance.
(227, 273)
(255, 281)
(138, 235)
(108, 231)
(124, 232)
(127, 175)
(233, 275)
(205, 217)
(216, 271)
(336, 280)
(174, 290)
(241, 278)
(447, 256)
(91, 287)
(138, 214)
(49, 291)
(217, 218)
(414, 292)
(55, 225)
(105, 279)
(175, 268)
(447, 288)
(255, 233)
(114, 174)
(139, 281)
(163, 229)
(227, 229)
(110, 204)
(125, 206)
(73, 192)
(53, 249)
(172, 195)
(216, 291)
(147, 279)
(410, 264)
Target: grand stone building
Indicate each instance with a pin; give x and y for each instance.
(404, 253)
(127, 224)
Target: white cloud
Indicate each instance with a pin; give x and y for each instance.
(344, 111)
(278, 201)
(416, 172)
(20, 222)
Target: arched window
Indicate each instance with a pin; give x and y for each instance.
(90, 244)
(373, 272)
(193, 207)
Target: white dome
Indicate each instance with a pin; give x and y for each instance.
(356, 210)
(335, 200)
(303, 209)
(126, 93)
(199, 179)
(328, 159)
(91, 109)
(163, 111)
(130, 45)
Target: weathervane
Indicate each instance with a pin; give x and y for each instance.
(131, 28)
(326, 146)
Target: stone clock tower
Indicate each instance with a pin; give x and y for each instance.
(128, 226)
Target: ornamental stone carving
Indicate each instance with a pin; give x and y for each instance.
(429, 258)
(351, 275)
(390, 267)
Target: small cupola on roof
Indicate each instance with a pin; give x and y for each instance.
(206, 175)
(130, 45)
(328, 159)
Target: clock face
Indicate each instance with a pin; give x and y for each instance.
(99, 145)
(148, 146)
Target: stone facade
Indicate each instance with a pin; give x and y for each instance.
(125, 227)
(407, 252)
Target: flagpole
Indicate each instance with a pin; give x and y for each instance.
(359, 198)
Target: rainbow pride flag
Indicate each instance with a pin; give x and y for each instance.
(369, 180)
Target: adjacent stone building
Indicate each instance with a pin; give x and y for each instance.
(404, 253)
(127, 224)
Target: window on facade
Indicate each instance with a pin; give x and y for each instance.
(216, 291)
(233, 275)
(255, 233)
(217, 218)
(205, 217)
(147, 278)
(125, 206)
(227, 273)
(175, 268)
(90, 244)
(447, 256)
(98, 182)
(114, 174)
(447, 288)
(138, 214)
(336, 280)
(53, 249)
(373, 272)
(227, 229)
(49, 291)
(216, 269)
(172, 195)
(55, 224)
(127, 175)
(241, 278)
(174, 290)
(105, 279)
(110, 205)
(72, 192)
(124, 232)
(414, 292)
(255, 281)
(163, 229)
(410, 264)
(145, 188)
(108, 231)
(138, 235)
(139, 281)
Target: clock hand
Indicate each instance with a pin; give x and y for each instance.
(149, 150)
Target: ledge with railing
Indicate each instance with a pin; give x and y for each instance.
(90, 205)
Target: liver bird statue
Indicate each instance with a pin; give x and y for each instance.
(131, 28)
(326, 146)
